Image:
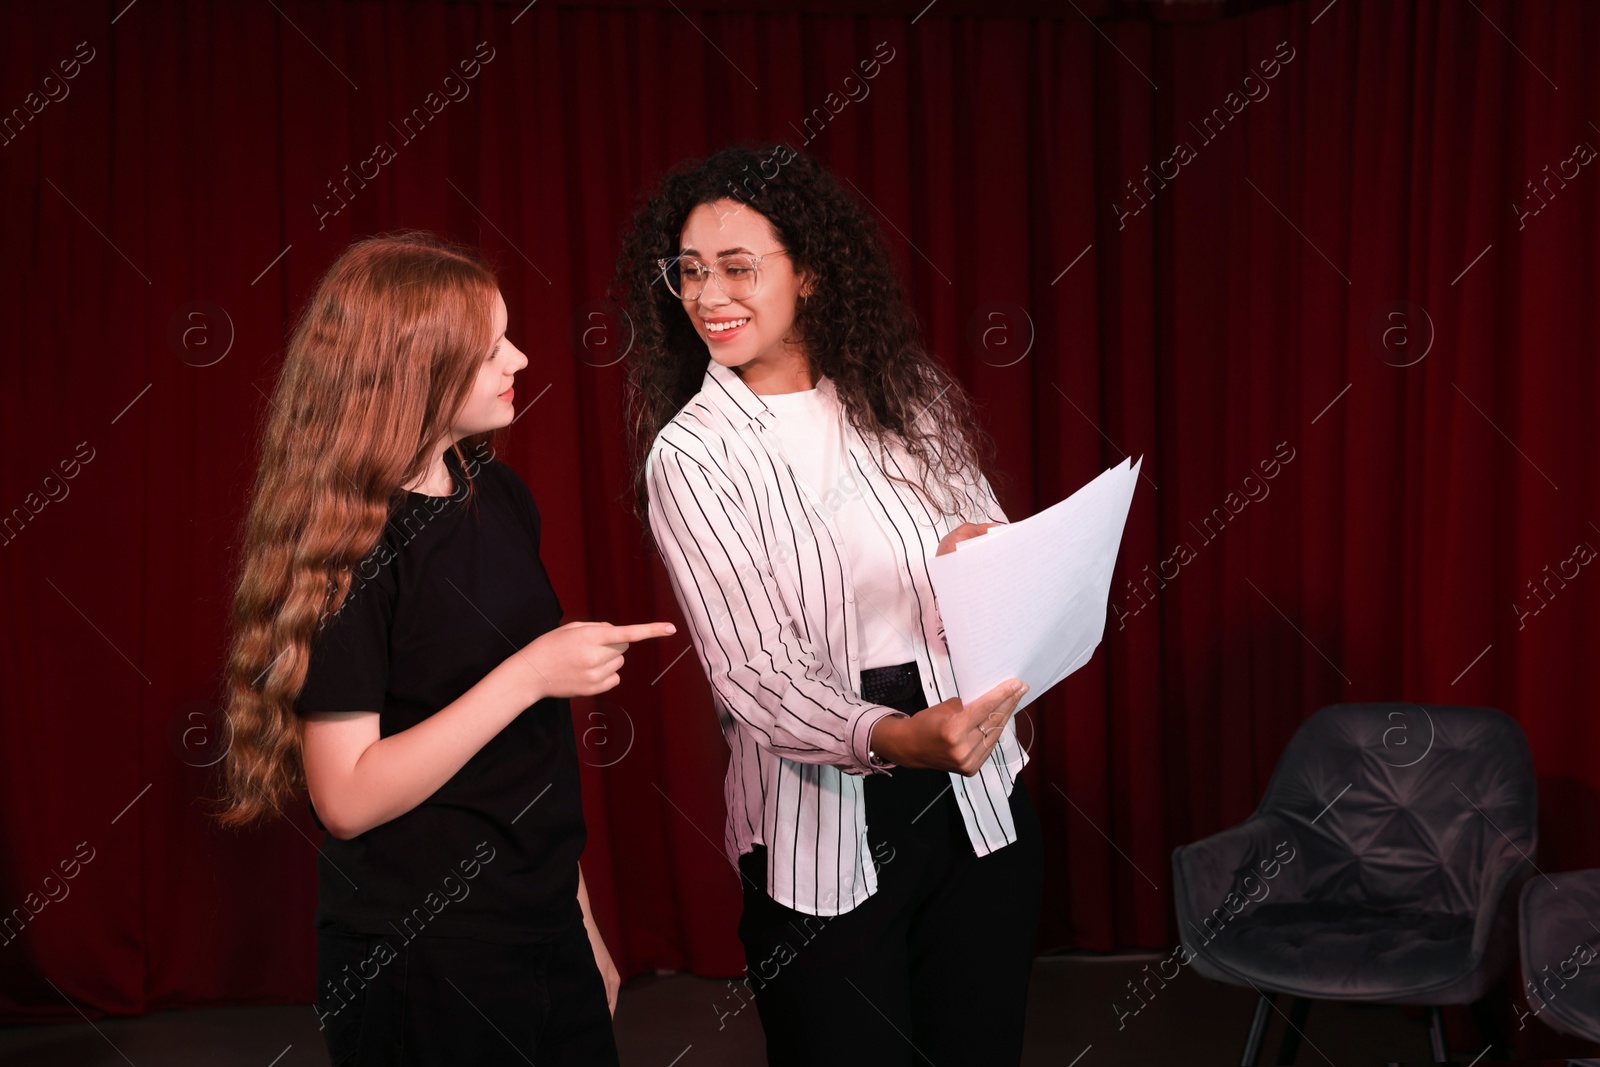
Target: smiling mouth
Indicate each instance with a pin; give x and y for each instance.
(729, 324)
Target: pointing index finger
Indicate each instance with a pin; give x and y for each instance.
(642, 631)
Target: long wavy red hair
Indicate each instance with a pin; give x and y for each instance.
(381, 359)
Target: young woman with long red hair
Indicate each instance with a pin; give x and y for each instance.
(396, 652)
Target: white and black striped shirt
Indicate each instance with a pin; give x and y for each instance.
(760, 572)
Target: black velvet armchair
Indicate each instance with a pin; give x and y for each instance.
(1379, 867)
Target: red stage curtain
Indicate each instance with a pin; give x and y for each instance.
(1249, 309)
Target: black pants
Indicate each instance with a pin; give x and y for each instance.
(457, 1000)
(934, 966)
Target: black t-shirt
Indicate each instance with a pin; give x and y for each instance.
(451, 590)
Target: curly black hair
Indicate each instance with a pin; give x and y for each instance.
(856, 326)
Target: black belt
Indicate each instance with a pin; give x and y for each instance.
(893, 685)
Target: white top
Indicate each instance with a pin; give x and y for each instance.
(768, 585)
(811, 427)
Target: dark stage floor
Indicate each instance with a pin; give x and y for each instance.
(673, 1021)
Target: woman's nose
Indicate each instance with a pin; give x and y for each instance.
(712, 296)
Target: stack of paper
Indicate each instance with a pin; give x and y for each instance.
(1028, 599)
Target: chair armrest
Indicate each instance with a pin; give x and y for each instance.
(1243, 864)
(1499, 886)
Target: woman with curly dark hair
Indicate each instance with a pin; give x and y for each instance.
(799, 456)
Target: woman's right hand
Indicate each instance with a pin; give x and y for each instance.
(581, 658)
(949, 736)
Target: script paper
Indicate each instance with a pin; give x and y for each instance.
(1028, 599)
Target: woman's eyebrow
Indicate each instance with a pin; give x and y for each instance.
(724, 252)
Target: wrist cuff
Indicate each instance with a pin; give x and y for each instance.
(869, 761)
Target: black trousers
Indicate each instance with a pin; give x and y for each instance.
(934, 966)
(457, 1000)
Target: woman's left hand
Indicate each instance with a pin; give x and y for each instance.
(962, 533)
(602, 957)
(608, 970)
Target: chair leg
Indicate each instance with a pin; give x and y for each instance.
(1258, 1030)
(1490, 1028)
(1436, 1034)
(1289, 1046)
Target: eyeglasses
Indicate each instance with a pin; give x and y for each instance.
(737, 274)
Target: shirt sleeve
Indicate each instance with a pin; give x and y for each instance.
(529, 511)
(760, 668)
(525, 503)
(349, 667)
